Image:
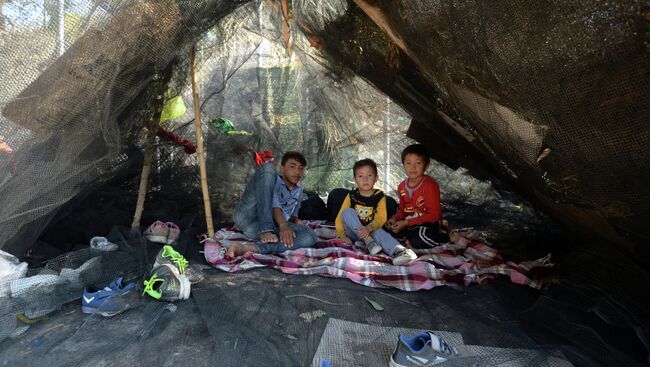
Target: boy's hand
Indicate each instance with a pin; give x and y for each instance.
(299, 222)
(287, 235)
(346, 240)
(390, 222)
(399, 225)
(364, 232)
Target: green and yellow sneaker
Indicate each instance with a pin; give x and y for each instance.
(171, 257)
(166, 284)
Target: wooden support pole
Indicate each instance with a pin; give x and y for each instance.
(158, 89)
(146, 169)
(199, 147)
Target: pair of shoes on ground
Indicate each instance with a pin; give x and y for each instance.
(423, 349)
(169, 279)
(161, 232)
(109, 301)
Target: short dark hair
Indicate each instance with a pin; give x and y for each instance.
(297, 156)
(362, 163)
(417, 149)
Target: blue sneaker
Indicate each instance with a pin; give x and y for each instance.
(109, 301)
(423, 349)
(324, 363)
(118, 285)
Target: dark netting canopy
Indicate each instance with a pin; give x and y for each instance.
(535, 113)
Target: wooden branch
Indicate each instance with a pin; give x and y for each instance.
(199, 147)
(146, 169)
(152, 126)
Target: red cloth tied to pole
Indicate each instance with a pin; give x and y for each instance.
(188, 147)
(263, 157)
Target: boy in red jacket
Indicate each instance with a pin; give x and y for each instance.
(419, 215)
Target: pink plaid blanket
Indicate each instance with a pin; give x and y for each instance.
(455, 264)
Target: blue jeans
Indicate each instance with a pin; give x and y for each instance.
(254, 213)
(351, 223)
(305, 237)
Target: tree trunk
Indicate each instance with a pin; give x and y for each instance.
(61, 27)
(199, 146)
(2, 17)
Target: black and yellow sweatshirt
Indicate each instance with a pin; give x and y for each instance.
(370, 210)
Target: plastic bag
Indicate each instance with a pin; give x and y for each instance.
(11, 267)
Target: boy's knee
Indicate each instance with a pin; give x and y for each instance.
(313, 238)
(306, 238)
(349, 213)
(312, 241)
(268, 168)
(266, 175)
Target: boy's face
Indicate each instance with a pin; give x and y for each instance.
(414, 166)
(292, 171)
(365, 177)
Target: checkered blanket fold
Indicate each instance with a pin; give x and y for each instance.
(455, 264)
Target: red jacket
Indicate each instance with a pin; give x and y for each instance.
(423, 206)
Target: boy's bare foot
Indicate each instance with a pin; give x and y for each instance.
(453, 236)
(268, 237)
(238, 249)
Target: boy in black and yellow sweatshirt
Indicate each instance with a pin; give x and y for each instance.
(363, 213)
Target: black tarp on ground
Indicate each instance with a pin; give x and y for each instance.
(589, 315)
(263, 317)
